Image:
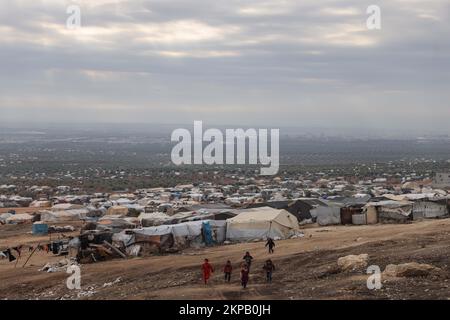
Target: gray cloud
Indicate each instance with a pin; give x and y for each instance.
(235, 62)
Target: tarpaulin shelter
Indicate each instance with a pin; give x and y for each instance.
(329, 214)
(430, 208)
(63, 215)
(390, 211)
(188, 233)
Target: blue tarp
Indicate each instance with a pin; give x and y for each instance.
(207, 232)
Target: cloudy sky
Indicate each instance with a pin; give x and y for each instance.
(252, 62)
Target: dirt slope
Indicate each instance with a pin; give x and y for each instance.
(306, 268)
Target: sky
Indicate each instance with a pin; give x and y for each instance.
(254, 62)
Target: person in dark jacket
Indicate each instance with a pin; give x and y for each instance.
(271, 244)
(269, 267)
(244, 275)
(227, 271)
(248, 260)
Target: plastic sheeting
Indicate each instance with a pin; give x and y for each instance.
(429, 209)
(327, 215)
(188, 231)
(66, 215)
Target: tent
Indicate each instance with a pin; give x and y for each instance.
(188, 233)
(115, 223)
(117, 211)
(66, 206)
(63, 215)
(260, 223)
(153, 219)
(19, 218)
(5, 216)
(41, 204)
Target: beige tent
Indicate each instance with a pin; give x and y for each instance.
(66, 206)
(19, 218)
(117, 211)
(261, 223)
(41, 204)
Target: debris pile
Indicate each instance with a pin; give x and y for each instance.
(59, 266)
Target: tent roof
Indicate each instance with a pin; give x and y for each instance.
(265, 214)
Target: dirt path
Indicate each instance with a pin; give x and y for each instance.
(305, 269)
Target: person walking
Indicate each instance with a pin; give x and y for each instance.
(248, 260)
(269, 267)
(227, 271)
(271, 244)
(207, 270)
(244, 275)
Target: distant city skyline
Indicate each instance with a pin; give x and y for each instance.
(281, 63)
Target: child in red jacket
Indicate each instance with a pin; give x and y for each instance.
(207, 269)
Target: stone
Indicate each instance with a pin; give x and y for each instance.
(353, 262)
(411, 269)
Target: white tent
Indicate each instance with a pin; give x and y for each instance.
(5, 216)
(63, 215)
(260, 223)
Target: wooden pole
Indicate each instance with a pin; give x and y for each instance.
(115, 249)
(31, 254)
(17, 260)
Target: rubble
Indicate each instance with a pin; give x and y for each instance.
(59, 266)
(109, 284)
(54, 229)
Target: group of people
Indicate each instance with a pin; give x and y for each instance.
(268, 267)
(8, 253)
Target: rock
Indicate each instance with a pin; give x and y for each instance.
(353, 262)
(411, 269)
(46, 267)
(109, 284)
(298, 235)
